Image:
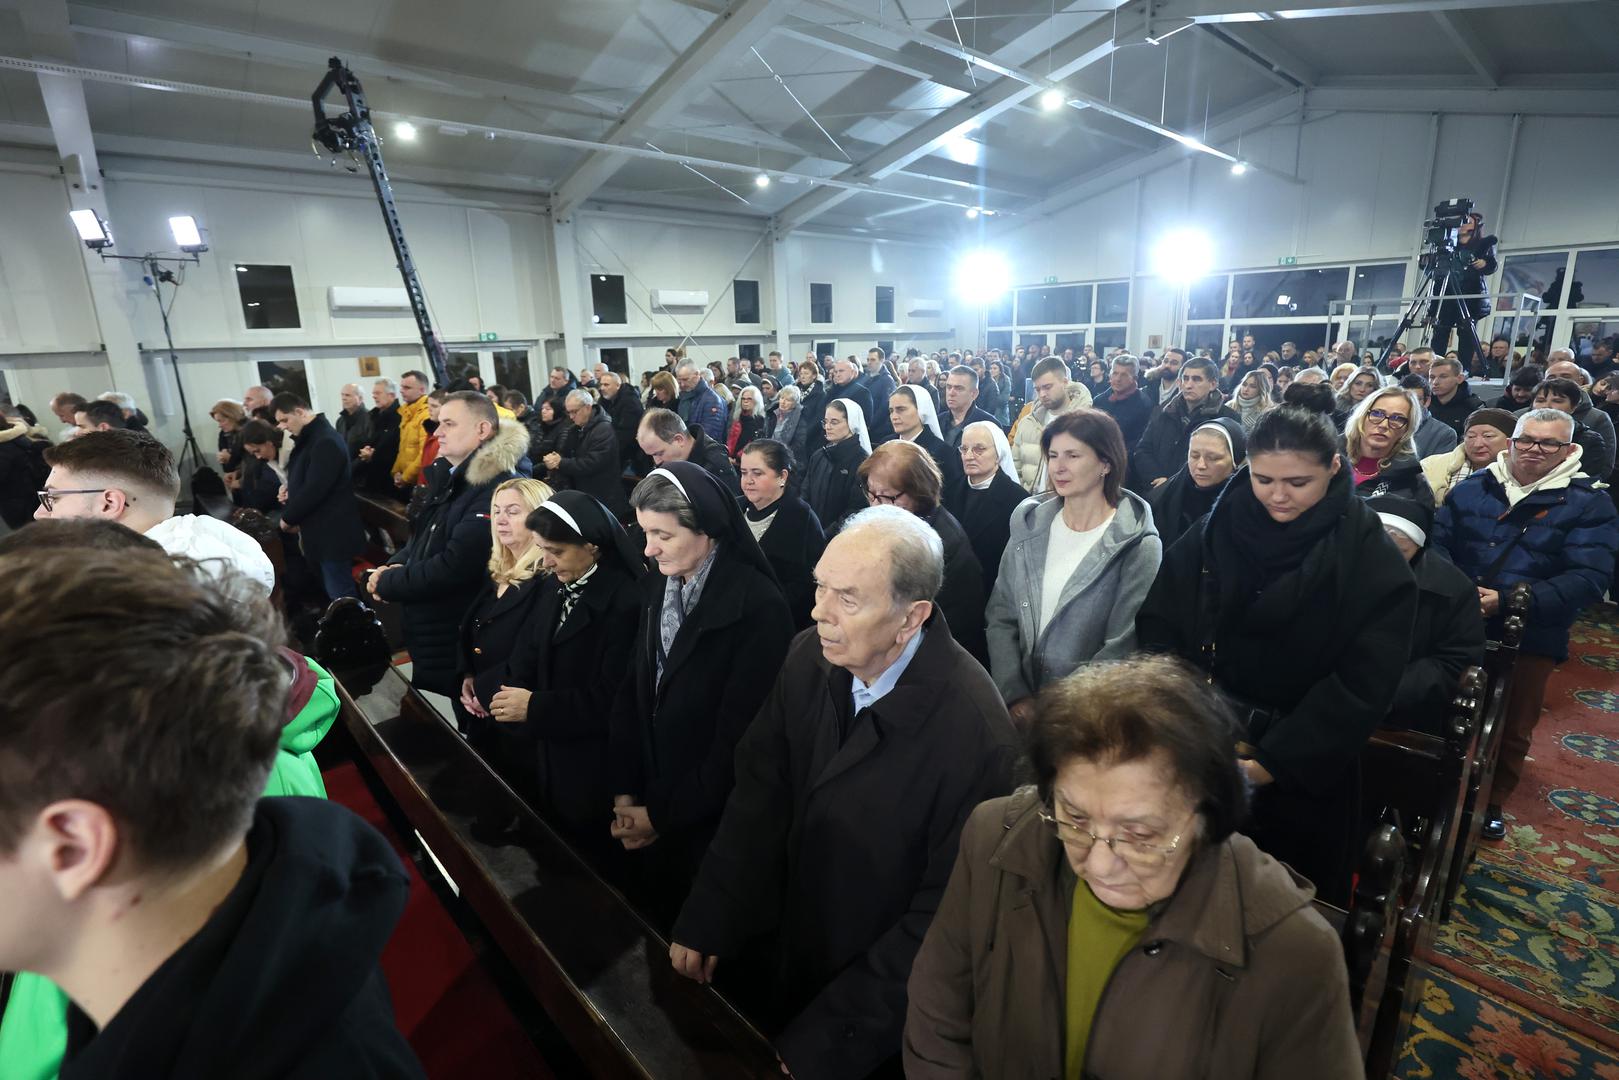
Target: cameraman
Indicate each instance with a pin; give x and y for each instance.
(1476, 254)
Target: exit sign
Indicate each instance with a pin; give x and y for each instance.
(488, 335)
(1051, 279)
(1287, 260)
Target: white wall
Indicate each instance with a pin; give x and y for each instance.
(1368, 181)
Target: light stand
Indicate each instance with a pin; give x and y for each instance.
(96, 236)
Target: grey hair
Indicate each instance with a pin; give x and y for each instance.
(355, 387)
(685, 365)
(579, 397)
(392, 385)
(1314, 374)
(123, 401)
(916, 554)
(1545, 416)
(1559, 354)
(656, 495)
(790, 391)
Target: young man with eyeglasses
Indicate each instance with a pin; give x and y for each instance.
(1531, 516)
(129, 477)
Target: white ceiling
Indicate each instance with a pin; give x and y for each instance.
(885, 99)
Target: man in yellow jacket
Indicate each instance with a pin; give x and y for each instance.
(412, 413)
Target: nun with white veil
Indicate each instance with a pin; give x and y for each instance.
(984, 502)
(832, 481)
(911, 412)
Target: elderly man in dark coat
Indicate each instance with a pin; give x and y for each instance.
(852, 785)
(437, 575)
(320, 505)
(591, 464)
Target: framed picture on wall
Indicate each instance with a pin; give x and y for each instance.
(371, 366)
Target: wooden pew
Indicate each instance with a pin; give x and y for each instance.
(598, 971)
(386, 526)
(1499, 658)
(1420, 782)
(1367, 929)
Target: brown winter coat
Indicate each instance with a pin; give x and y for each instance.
(1235, 977)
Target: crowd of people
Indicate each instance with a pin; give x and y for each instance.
(969, 713)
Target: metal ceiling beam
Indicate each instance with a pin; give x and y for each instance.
(1479, 101)
(1219, 11)
(1470, 45)
(1070, 55)
(1244, 42)
(733, 30)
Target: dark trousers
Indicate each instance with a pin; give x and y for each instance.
(337, 578)
(1452, 316)
(1529, 675)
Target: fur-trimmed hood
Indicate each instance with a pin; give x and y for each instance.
(500, 454)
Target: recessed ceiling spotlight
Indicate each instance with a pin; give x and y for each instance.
(1238, 168)
(1052, 100)
(405, 131)
(761, 181)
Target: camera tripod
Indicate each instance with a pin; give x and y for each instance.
(1435, 289)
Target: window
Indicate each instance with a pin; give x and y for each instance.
(616, 360)
(1002, 340)
(511, 371)
(269, 301)
(1268, 337)
(1384, 281)
(1207, 298)
(749, 352)
(607, 299)
(284, 377)
(746, 296)
(824, 352)
(888, 349)
(1000, 310)
(1109, 337)
(1054, 305)
(1025, 340)
(885, 304)
(1075, 341)
(1587, 334)
(1113, 302)
(820, 302)
(1596, 282)
(1210, 336)
(1533, 274)
(462, 365)
(1280, 293)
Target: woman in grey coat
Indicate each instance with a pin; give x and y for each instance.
(1077, 566)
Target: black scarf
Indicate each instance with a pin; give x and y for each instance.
(1252, 550)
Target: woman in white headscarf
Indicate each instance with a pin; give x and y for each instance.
(832, 481)
(911, 411)
(985, 501)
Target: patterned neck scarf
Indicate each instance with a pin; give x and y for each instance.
(570, 596)
(679, 598)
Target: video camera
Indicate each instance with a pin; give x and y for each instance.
(1440, 254)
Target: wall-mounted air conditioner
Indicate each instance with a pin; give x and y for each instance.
(926, 307)
(358, 300)
(680, 299)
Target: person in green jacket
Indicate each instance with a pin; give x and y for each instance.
(33, 1027)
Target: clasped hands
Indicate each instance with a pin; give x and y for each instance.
(632, 825)
(552, 460)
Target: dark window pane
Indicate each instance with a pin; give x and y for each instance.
(885, 304)
(461, 365)
(1000, 310)
(1108, 337)
(511, 371)
(888, 350)
(820, 302)
(1587, 334)
(1207, 298)
(269, 301)
(1002, 340)
(749, 353)
(1279, 293)
(824, 351)
(1113, 302)
(616, 360)
(1054, 305)
(1075, 341)
(1210, 336)
(1596, 281)
(1025, 340)
(607, 298)
(284, 377)
(1385, 281)
(746, 295)
(1535, 275)
(1303, 335)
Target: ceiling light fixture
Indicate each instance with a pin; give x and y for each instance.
(761, 181)
(1238, 168)
(1052, 100)
(405, 131)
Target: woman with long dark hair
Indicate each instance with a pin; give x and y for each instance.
(1299, 608)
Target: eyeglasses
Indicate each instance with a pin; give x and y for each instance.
(48, 497)
(882, 500)
(1545, 446)
(1138, 854)
(1393, 420)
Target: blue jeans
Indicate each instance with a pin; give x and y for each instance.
(337, 578)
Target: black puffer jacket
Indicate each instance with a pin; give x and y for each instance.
(441, 569)
(21, 469)
(832, 482)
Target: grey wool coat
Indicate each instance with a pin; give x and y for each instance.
(1095, 617)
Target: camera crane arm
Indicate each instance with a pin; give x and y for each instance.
(351, 133)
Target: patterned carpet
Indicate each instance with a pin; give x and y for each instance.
(1525, 978)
